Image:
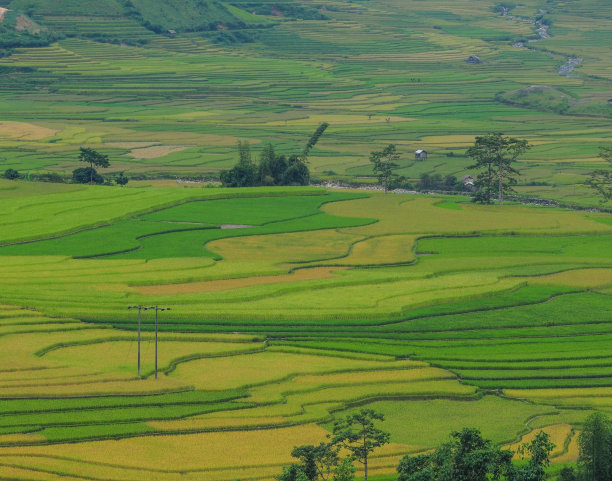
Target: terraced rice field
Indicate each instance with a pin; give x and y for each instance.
(382, 72)
(321, 301)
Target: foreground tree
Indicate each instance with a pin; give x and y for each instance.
(93, 158)
(357, 434)
(316, 463)
(385, 163)
(601, 180)
(595, 442)
(466, 457)
(538, 451)
(494, 155)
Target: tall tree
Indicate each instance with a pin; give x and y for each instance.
(358, 434)
(244, 173)
(318, 462)
(244, 152)
(93, 158)
(538, 450)
(466, 457)
(385, 162)
(601, 180)
(314, 138)
(595, 442)
(494, 154)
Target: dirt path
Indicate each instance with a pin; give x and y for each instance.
(2, 12)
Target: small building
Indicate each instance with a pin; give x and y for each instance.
(473, 59)
(468, 181)
(420, 155)
(171, 33)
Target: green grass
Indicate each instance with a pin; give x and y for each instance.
(498, 419)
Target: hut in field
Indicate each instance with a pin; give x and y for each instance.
(171, 33)
(420, 155)
(468, 182)
(473, 59)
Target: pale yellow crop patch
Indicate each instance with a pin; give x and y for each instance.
(587, 278)
(24, 131)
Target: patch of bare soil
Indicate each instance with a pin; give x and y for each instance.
(226, 284)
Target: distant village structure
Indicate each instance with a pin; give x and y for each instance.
(468, 182)
(420, 155)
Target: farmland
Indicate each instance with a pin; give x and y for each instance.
(291, 307)
(378, 72)
(313, 302)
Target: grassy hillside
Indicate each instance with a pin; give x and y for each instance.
(123, 20)
(289, 308)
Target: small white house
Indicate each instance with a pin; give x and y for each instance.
(468, 180)
(420, 154)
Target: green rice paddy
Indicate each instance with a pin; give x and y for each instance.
(292, 306)
(287, 310)
(378, 73)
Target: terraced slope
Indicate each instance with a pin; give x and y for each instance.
(378, 72)
(304, 305)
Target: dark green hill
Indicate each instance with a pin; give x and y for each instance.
(126, 21)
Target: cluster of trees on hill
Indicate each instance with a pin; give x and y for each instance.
(272, 169)
(82, 175)
(494, 156)
(467, 456)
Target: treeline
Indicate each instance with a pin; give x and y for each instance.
(466, 456)
(272, 168)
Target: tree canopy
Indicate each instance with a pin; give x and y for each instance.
(495, 155)
(358, 435)
(94, 159)
(273, 169)
(601, 180)
(385, 164)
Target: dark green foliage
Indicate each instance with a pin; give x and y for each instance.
(466, 457)
(567, 474)
(11, 174)
(244, 173)
(93, 158)
(595, 442)
(437, 182)
(538, 450)
(288, 9)
(292, 472)
(317, 462)
(345, 471)
(51, 177)
(271, 166)
(86, 175)
(313, 140)
(31, 36)
(494, 154)
(122, 179)
(297, 173)
(357, 434)
(273, 169)
(601, 180)
(385, 163)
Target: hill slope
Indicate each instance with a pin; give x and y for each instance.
(128, 21)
